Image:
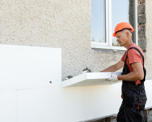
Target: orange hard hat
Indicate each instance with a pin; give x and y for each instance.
(121, 26)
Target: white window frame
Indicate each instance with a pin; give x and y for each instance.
(109, 31)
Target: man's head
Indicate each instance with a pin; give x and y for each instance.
(123, 33)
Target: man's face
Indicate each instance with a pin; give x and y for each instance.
(122, 37)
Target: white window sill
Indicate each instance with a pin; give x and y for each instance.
(105, 46)
(85, 79)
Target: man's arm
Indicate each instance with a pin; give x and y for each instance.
(136, 74)
(114, 67)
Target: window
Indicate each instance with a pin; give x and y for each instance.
(98, 33)
(105, 14)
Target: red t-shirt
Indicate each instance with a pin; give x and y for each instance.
(133, 56)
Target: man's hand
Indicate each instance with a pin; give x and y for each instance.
(114, 76)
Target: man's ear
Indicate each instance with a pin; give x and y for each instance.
(128, 33)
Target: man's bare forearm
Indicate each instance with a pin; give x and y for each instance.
(114, 67)
(136, 74)
(130, 77)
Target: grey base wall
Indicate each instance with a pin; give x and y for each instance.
(147, 112)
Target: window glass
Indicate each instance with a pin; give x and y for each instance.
(98, 21)
(122, 11)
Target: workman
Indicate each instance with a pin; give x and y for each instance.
(132, 76)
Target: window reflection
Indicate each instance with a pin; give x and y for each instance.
(122, 11)
(98, 23)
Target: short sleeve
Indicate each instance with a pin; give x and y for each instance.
(134, 56)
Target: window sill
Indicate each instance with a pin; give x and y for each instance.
(87, 79)
(98, 45)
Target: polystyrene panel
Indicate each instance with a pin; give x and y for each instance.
(29, 67)
(67, 104)
(148, 87)
(86, 79)
(8, 105)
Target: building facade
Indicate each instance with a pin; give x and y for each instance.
(67, 24)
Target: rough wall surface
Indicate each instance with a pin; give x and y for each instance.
(54, 23)
(148, 37)
(142, 25)
(64, 24)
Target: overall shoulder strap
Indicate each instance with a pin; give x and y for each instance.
(142, 81)
(138, 51)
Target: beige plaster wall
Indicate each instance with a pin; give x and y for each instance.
(55, 23)
(149, 38)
